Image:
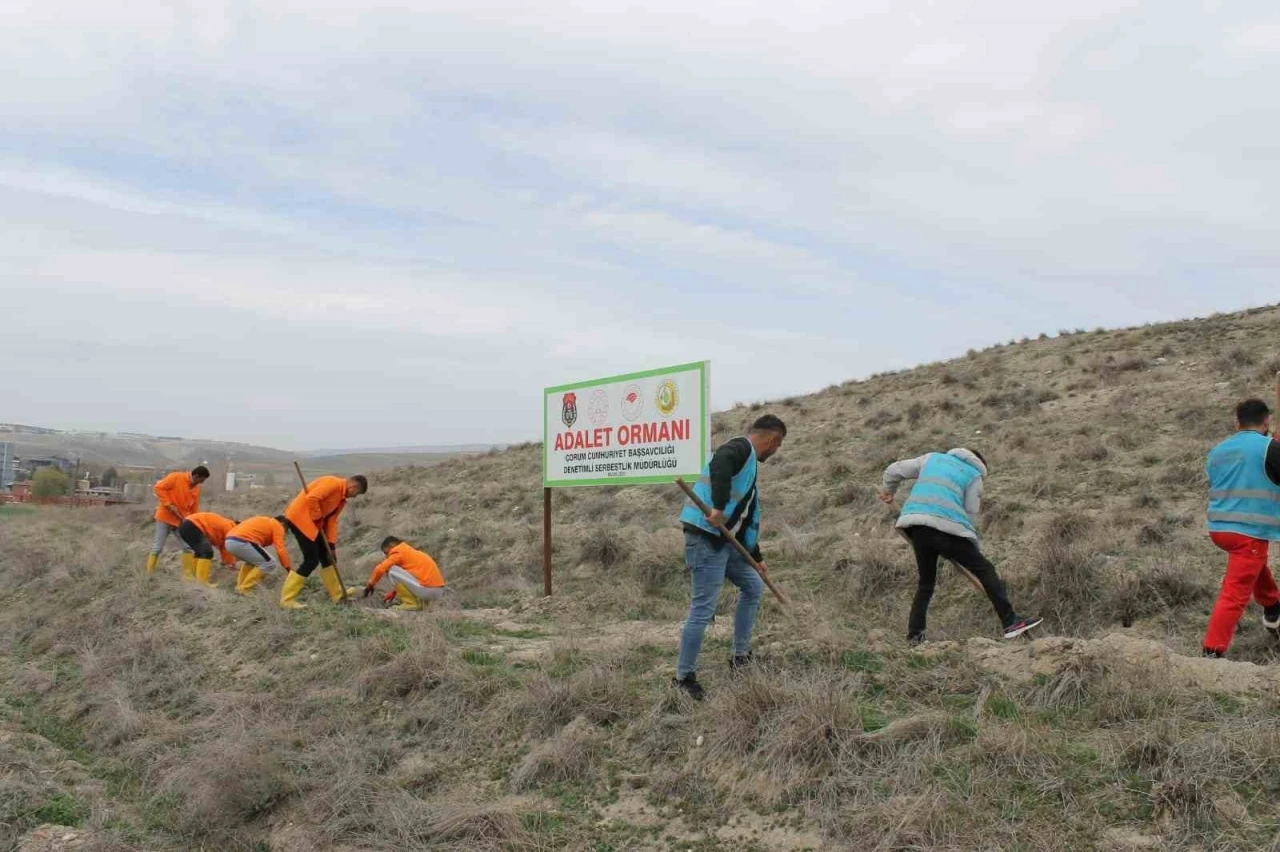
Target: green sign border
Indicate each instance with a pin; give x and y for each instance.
(704, 371)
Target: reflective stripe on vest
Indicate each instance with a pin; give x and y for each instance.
(743, 508)
(1242, 498)
(940, 489)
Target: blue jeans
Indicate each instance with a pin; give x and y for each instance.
(708, 568)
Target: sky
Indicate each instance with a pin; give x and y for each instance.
(319, 224)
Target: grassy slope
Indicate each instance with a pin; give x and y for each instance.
(183, 719)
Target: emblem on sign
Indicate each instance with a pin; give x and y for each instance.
(569, 410)
(598, 407)
(666, 398)
(632, 403)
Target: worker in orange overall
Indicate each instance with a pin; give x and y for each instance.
(416, 575)
(204, 532)
(312, 514)
(248, 541)
(177, 495)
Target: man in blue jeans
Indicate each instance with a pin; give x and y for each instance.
(728, 486)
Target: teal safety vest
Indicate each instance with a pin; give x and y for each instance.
(1242, 498)
(939, 492)
(743, 501)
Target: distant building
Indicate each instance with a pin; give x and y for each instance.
(64, 465)
(8, 466)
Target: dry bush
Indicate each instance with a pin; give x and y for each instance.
(879, 567)
(881, 419)
(228, 782)
(425, 664)
(1069, 578)
(570, 755)
(1012, 402)
(598, 694)
(1161, 589)
(606, 546)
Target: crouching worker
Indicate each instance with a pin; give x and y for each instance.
(203, 532)
(416, 575)
(312, 514)
(248, 541)
(940, 520)
(177, 495)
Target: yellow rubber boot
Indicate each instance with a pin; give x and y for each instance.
(152, 560)
(252, 577)
(188, 566)
(204, 567)
(406, 599)
(244, 569)
(332, 585)
(289, 590)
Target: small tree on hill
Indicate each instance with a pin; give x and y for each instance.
(110, 477)
(50, 482)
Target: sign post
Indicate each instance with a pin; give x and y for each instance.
(646, 428)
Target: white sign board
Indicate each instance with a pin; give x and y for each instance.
(628, 430)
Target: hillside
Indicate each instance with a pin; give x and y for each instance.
(155, 715)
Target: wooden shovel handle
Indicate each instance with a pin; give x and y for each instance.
(724, 531)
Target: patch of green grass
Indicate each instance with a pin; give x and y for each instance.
(479, 658)
(465, 628)
(872, 718)
(862, 661)
(61, 808)
(13, 510)
(1002, 707)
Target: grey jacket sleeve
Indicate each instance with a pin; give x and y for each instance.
(900, 471)
(973, 500)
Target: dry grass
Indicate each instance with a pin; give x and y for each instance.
(163, 717)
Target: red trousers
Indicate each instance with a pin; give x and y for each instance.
(1247, 577)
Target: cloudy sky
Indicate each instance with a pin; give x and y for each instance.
(314, 223)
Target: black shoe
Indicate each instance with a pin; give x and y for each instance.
(1018, 626)
(1271, 620)
(689, 683)
(915, 640)
(1212, 654)
(741, 661)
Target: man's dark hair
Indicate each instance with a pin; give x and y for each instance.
(980, 456)
(770, 423)
(391, 541)
(201, 471)
(362, 482)
(1252, 413)
(282, 520)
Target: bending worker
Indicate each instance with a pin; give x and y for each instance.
(204, 531)
(940, 519)
(416, 575)
(178, 495)
(312, 514)
(249, 541)
(728, 486)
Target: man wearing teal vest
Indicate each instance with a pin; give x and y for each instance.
(940, 520)
(1244, 518)
(728, 486)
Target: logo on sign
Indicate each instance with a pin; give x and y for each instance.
(632, 403)
(598, 407)
(569, 409)
(666, 398)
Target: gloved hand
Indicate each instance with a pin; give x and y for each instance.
(389, 597)
(368, 590)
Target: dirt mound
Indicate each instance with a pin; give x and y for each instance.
(1053, 656)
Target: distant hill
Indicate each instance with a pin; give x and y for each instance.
(100, 450)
